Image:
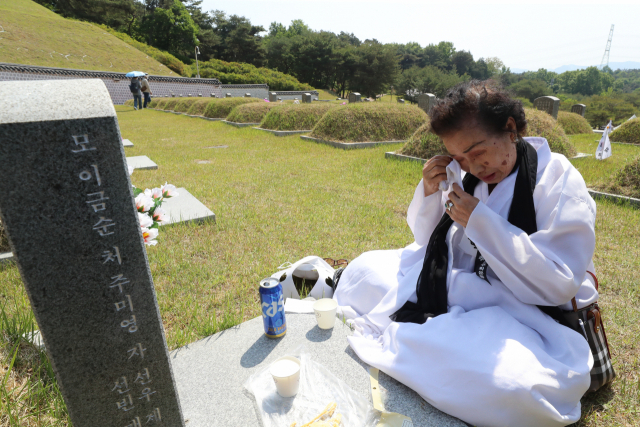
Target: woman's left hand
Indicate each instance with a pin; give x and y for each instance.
(463, 205)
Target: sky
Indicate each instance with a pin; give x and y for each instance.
(524, 35)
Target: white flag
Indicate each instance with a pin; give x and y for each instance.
(604, 146)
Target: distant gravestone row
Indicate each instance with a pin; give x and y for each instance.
(548, 104)
(354, 97)
(426, 101)
(88, 278)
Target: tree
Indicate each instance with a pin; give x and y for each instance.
(531, 89)
(171, 29)
(462, 61)
(480, 70)
(376, 68)
(239, 40)
(429, 79)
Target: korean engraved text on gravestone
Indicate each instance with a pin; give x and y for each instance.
(66, 203)
(354, 97)
(548, 104)
(579, 109)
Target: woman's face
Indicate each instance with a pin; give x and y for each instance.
(487, 156)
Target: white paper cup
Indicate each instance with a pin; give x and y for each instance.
(325, 310)
(286, 374)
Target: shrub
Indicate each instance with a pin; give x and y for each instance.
(171, 104)
(573, 124)
(629, 131)
(295, 117)
(423, 144)
(542, 124)
(184, 104)
(198, 107)
(250, 113)
(361, 122)
(629, 178)
(220, 108)
(129, 102)
(241, 73)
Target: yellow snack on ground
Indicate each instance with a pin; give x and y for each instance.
(326, 412)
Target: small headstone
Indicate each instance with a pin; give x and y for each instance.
(426, 101)
(401, 101)
(213, 95)
(84, 266)
(189, 95)
(228, 95)
(141, 162)
(354, 97)
(200, 95)
(127, 143)
(273, 97)
(180, 95)
(247, 95)
(579, 109)
(279, 98)
(548, 104)
(306, 98)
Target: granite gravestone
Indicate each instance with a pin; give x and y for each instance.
(548, 104)
(67, 205)
(228, 95)
(426, 101)
(273, 97)
(247, 95)
(306, 98)
(354, 97)
(579, 109)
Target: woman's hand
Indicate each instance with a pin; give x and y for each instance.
(433, 173)
(463, 205)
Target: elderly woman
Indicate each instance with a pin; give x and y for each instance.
(462, 315)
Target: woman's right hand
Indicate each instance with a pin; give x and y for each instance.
(433, 173)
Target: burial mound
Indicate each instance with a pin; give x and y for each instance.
(628, 132)
(288, 117)
(573, 124)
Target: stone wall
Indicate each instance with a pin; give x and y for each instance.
(257, 91)
(292, 94)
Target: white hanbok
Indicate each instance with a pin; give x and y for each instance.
(494, 359)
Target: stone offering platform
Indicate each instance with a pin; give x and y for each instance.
(210, 373)
(186, 208)
(283, 132)
(141, 162)
(598, 195)
(127, 143)
(6, 257)
(392, 155)
(349, 145)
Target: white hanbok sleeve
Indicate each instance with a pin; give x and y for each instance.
(424, 214)
(549, 266)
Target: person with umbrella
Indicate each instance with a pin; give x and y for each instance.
(135, 88)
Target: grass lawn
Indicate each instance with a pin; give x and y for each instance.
(598, 174)
(278, 199)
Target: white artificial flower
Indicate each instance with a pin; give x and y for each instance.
(159, 215)
(169, 190)
(143, 202)
(130, 168)
(149, 235)
(144, 220)
(156, 193)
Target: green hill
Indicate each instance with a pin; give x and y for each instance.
(34, 35)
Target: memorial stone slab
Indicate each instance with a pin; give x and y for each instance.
(186, 208)
(354, 97)
(273, 97)
(127, 143)
(306, 98)
(141, 162)
(228, 95)
(67, 205)
(548, 104)
(579, 109)
(426, 101)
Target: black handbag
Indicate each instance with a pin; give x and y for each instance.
(588, 322)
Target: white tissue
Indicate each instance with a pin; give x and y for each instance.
(454, 175)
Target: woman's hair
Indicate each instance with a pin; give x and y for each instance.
(483, 102)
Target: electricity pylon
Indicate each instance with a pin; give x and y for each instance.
(605, 57)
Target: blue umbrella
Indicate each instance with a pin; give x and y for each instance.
(135, 74)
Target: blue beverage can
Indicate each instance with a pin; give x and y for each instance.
(272, 302)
